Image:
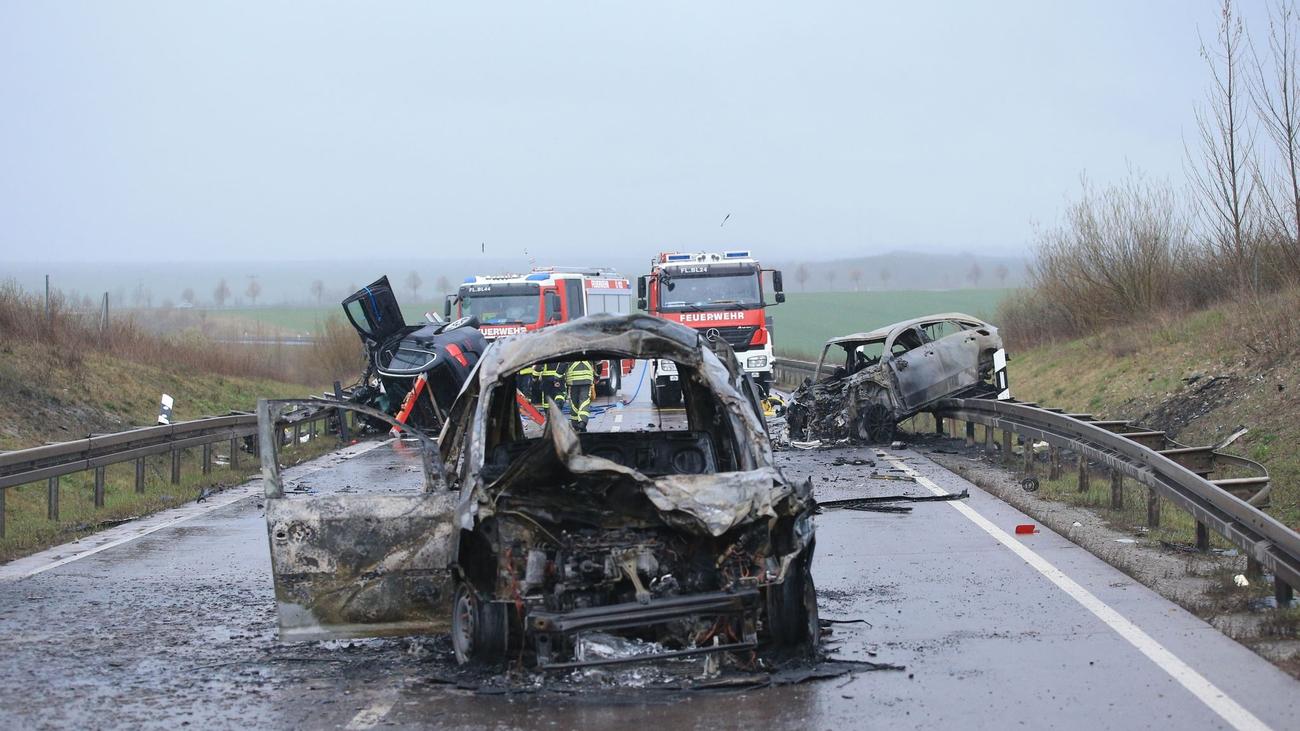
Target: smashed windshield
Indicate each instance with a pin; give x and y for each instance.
(498, 305)
(681, 292)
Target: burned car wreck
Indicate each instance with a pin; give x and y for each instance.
(881, 377)
(686, 538)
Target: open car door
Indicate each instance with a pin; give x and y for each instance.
(374, 312)
(357, 565)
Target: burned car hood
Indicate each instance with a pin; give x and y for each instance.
(706, 504)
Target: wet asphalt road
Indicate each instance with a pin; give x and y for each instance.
(176, 628)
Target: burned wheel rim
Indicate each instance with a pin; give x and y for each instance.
(876, 424)
(464, 623)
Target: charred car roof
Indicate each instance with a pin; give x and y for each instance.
(884, 332)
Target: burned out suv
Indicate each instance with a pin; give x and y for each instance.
(879, 378)
(683, 536)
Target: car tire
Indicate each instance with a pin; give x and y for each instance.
(875, 423)
(479, 630)
(792, 617)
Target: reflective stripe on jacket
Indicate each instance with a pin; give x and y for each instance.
(580, 372)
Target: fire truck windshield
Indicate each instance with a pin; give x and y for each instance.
(498, 305)
(710, 291)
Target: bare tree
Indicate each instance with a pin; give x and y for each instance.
(855, 276)
(188, 295)
(974, 273)
(1001, 271)
(801, 276)
(254, 289)
(317, 290)
(1223, 176)
(443, 285)
(884, 275)
(1276, 93)
(830, 278)
(414, 281)
(221, 293)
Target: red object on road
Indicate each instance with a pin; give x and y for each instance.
(1026, 529)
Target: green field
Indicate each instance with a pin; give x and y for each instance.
(284, 320)
(803, 324)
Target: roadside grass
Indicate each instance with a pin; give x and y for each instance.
(28, 529)
(47, 398)
(803, 324)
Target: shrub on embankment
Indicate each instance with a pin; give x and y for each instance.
(63, 375)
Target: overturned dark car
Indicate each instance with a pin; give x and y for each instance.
(412, 371)
(684, 538)
(876, 379)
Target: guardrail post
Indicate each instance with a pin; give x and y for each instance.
(52, 498)
(1202, 536)
(970, 433)
(99, 487)
(207, 458)
(297, 433)
(1029, 457)
(1053, 462)
(938, 425)
(2, 512)
(1007, 455)
(1116, 490)
(1283, 593)
(1084, 478)
(1254, 569)
(988, 439)
(341, 414)
(139, 475)
(311, 430)
(234, 453)
(176, 466)
(1153, 509)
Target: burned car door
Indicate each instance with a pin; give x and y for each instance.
(374, 312)
(358, 565)
(913, 365)
(958, 349)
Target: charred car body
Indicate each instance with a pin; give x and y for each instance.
(427, 363)
(889, 374)
(689, 538)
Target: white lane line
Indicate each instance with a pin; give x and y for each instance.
(1205, 691)
(618, 422)
(370, 716)
(53, 558)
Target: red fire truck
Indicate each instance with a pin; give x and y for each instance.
(508, 304)
(720, 294)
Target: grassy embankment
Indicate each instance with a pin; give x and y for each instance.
(61, 378)
(49, 400)
(1199, 376)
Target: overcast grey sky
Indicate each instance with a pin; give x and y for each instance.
(174, 130)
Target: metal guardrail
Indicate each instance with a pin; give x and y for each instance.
(790, 373)
(1170, 474)
(97, 452)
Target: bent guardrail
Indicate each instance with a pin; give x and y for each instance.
(1265, 541)
(97, 452)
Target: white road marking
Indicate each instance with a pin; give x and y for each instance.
(618, 422)
(371, 716)
(52, 558)
(1197, 684)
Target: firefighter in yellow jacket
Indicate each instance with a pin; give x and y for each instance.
(551, 384)
(579, 376)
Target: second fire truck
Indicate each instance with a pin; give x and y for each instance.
(508, 304)
(719, 294)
